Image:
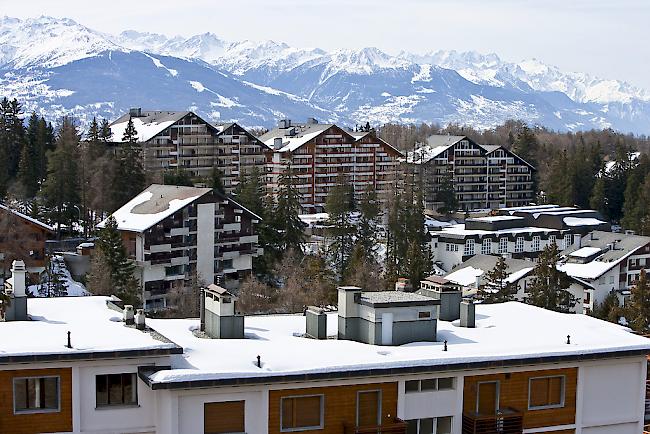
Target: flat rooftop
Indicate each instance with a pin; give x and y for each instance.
(505, 333)
(96, 331)
(395, 299)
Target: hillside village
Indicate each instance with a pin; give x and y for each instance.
(332, 265)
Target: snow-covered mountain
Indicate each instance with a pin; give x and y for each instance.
(59, 66)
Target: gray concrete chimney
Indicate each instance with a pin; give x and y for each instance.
(222, 321)
(467, 314)
(316, 323)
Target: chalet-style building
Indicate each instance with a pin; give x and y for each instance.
(181, 139)
(177, 234)
(318, 153)
(89, 365)
(22, 237)
(519, 233)
(483, 176)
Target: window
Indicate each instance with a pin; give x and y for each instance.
(546, 392)
(223, 417)
(301, 412)
(424, 315)
(426, 426)
(503, 245)
(36, 394)
(519, 244)
(486, 246)
(536, 243)
(116, 389)
(551, 239)
(469, 247)
(429, 384)
(368, 408)
(611, 279)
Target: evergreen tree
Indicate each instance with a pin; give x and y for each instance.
(105, 133)
(177, 177)
(637, 312)
(496, 288)
(447, 195)
(215, 181)
(339, 206)
(609, 309)
(61, 189)
(548, 288)
(116, 261)
(286, 220)
(129, 178)
(369, 220)
(29, 170)
(12, 137)
(54, 284)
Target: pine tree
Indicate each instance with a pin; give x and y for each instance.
(29, 167)
(496, 288)
(215, 181)
(369, 220)
(339, 206)
(548, 288)
(116, 261)
(54, 284)
(61, 190)
(637, 312)
(286, 220)
(129, 178)
(447, 195)
(105, 133)
(12, 137)
(177, 177)
(609, 309)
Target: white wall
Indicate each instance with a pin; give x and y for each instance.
(205, 242)
(612, 396)
(419, 405)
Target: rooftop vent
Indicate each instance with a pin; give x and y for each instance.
(316, 323)
(289, 132)
(135, 112)
(222, 321)
(284, 123)
(277, 142)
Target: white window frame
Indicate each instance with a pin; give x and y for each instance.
(37, 410)
(546, 407)
(435, 389)
(486, 246)
(435, 423)
(537, 241)
(552, 239)
(503, 245)
(305, 428)
(470, 247)
(519, 244)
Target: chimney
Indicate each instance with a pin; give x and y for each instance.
(403, 285)
(222, 321)
(282, 123)
(312, 121)
(467, 314)
(135, 112)
(15, 288)
(316, 323)
(139, 319)
(127, 315)
(348, 307)
(277, 142)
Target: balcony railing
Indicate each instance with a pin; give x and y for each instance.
(506, 421)
(397, 426)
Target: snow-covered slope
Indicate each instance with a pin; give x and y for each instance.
(60, 66)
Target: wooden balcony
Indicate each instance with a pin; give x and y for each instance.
(506, 421)
(397, 426)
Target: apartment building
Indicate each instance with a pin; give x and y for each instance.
(89, 365)
(22, 237)
(606, 261)
(177, 234)
(318, 153)
(483, 176)
(181, 139)
(518, 233)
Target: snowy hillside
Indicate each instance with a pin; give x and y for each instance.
(59, 66)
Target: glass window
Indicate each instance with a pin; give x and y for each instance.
(428, 385)
(551, 239)
(116, 389)
(546, 392)
(412, 386)
(536, 243)
(469, 247)
(503, 245)
(301, 412)
(443, 425)
(486, 246)
(445, 383)
(36, 394)
(519, 244)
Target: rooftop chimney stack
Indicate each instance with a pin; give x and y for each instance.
(139, 319)
(15, 288)
(316, 323)
(222, 321)
(128, 315)
(467, 314)
(277, 142)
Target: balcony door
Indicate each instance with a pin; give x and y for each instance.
(487, 398)
(369, 408)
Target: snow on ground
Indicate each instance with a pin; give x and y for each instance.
(503, 331)
(94, 328)
(74, 288)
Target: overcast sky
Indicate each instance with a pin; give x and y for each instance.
(608, 38)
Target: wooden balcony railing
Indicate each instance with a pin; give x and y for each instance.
(397, 426)
(505, 421)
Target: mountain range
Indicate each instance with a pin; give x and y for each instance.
(58, 66)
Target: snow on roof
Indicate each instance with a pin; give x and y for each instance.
(513, 277)
(461, 231)
(585, 252)
(302, 134)
(503, 332)
(496, 218)
(148, 125)
(580, 221)
(380, 297)
(94, 328)
(27, 218)
(433, 223)
(153, 205)
(311, 219)
(591, 270)
(426, 153)
(465, 276)
(528, 208)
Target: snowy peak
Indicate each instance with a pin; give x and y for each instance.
(48, 42)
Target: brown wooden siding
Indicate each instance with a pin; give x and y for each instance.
(60, 421)
(340, 405)
(513, 393)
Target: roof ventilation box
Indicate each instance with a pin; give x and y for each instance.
(222, 321)
(316, 323)
(135, 112)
